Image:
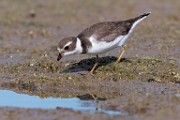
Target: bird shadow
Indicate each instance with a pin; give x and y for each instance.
(85, 65)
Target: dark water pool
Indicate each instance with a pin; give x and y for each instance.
(12, 99)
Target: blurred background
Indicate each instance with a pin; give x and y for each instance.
(26, 25)
(145, 86)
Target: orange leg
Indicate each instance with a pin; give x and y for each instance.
(122, 53)
(94, 97)
(95, 65)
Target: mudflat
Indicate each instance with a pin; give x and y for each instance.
(144, 85)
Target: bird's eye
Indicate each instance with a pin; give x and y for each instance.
(66, 48)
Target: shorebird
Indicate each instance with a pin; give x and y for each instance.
(100, 38)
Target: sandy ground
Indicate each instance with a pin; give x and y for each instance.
(145, 85)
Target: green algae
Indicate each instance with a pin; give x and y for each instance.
(49, 73)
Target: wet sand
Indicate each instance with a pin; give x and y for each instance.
(144, 85)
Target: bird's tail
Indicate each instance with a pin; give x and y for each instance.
(138, 19)
(143, 16)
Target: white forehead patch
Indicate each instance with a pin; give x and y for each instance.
(60, 50)
(67, 44)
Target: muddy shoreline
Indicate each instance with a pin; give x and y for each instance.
(144, 85)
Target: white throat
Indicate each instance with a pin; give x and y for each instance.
(78, 49)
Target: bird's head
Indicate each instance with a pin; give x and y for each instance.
(69, 46)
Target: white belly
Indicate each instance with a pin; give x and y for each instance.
(102, 46)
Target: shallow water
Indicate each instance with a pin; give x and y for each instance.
(13, 99)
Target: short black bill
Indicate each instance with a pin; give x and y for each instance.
(59, 57)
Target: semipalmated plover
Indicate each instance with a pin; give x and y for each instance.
(100, 38)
